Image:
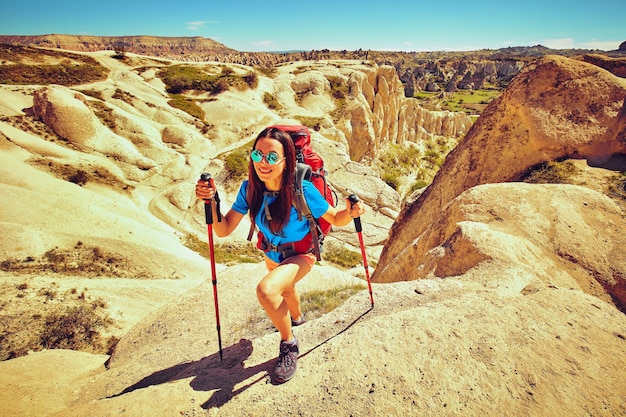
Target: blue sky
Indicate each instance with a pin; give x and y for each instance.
(408, 25)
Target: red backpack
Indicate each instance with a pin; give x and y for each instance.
(310, 167)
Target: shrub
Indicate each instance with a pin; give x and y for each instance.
(252, 80)
(319, 302)
(62, 74)
(104, 113)
(314, 123)
(339, 89)
(181, 78)
(269, 72)
(341, 256)
(76, 328)
(124, 96)
(418, 185)
(226, 253)
(187, 105)
(391, 178)
(236, 163)
(271, 101)
(62, 321)
(79, 177)
(617, 186)
(552, 173)
(80, 260)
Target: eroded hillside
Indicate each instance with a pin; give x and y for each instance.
(510, 289)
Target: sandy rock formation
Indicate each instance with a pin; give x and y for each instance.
(511, 324)
(378, 113)
(563, 236)
(66, 112)
(69, 115)
(534, 121)
(147, 45)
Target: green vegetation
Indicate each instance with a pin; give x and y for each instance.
(25, 65)
(271, 101)
(79, 174)
(83, 260)
(313, 303)
(269, 72)
(28, 123)
(617, 186)
(236, 163)
(225, 253)
(471, 102)
(339, 91)
(125, 96)
(181, 78)
(68, 320)
(341, 256)
(317, 303)
(338, 87)
(407, 168)
(552, 173)
(104, 113)
(313, 123)
(396, 163)
(187, 105)
(76, 328)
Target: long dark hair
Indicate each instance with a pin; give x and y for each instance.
(281, 206)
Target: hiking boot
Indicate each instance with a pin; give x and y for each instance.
(295, 323)
(287, 361)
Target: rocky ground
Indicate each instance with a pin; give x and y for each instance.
(496, 316)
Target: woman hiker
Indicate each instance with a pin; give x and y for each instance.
(268, 195)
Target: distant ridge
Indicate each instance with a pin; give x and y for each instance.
(143, 45)
(410, 66)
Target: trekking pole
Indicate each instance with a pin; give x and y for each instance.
(208, 213)
(353, 198)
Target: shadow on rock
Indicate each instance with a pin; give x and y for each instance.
(211, 373)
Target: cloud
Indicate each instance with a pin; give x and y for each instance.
(199, 24)
(569, 43)
(603, 45)
(262, 43)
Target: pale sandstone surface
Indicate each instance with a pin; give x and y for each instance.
(509, 313)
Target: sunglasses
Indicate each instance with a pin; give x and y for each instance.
(271, 157)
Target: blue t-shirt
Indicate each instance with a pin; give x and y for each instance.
(295, 229)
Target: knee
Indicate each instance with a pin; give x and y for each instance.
(265, 291)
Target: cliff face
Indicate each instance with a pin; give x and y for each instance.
(144, 45)
(534, 121)
(362, 105)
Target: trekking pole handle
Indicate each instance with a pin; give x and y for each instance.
(353, 198)
(208, 212)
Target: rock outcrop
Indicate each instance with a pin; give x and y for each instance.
(510, 325)
(532, 122)
(418, 71)
(377, 113)
(146, 45)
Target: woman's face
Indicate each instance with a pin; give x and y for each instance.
(271, 175)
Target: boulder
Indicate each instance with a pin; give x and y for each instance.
(532, 122)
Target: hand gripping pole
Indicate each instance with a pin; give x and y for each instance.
(353, 198)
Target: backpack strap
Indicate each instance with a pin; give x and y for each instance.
(267, 212)
(303, 172)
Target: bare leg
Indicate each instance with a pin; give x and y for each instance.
(277, 293)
